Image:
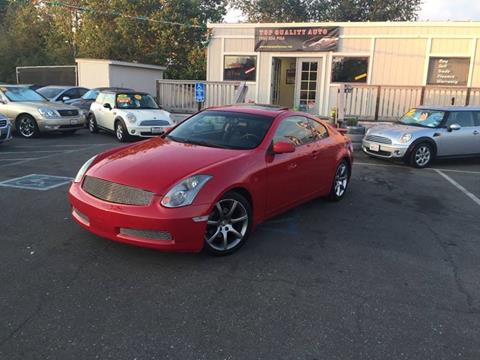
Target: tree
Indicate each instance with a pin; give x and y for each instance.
(328, 10)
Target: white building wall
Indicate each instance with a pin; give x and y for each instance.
(139, 79)
(92, 74)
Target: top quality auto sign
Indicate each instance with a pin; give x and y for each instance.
(297, 39)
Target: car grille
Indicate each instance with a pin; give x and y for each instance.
(68, 112)
(378, 139)
(116, 193)
(3, 123)
(154, 123)
(147, 234)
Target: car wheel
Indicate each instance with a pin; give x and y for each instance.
(421, 156)
(340, 182)
(27, 126)
(121, 131)
(229, 224)
(92, 124)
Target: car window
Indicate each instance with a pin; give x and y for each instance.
(109, 99)
(462, 118)
(319, 130)
(423, 118)
(476, 117)
(295, 129)
(100, 98)
(72, 94)
(82, 91)
(50, 92)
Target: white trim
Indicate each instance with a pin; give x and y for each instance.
(222, 60)
(326, 85)
(473, 54)
(240, 53)
(121, 63)
(454, 55)
(257, 74)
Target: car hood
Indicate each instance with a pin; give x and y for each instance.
(42, 105)
(80, 103)
(147, 114)
(157, 164)
(395, 131)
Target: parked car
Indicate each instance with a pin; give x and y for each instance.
(210, 180)
(30, 113)
(127, 114)
(5, 129)
(62, 93)
(425, 133)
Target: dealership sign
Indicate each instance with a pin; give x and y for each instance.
(297, 38)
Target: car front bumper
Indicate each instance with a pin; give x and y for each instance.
(61, 124)
(150, 226)
(5, 133)
(385, 151)
(146, 131)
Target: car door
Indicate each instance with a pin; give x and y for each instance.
(290, 175)
(476, 132)
(108, 114)
(97, 109)
(458, 142)
(324, 156)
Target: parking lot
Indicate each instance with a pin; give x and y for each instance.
(391, 272)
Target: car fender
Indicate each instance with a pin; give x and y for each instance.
(422, 139)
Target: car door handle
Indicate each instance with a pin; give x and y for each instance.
(315, 153)
(292, 166)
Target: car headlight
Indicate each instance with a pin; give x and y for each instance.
(185, 191)
(48, 113)
(84, 169)
(406, 138)
(131, 118)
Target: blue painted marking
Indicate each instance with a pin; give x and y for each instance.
(36, 182)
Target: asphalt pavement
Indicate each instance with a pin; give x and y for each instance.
(390, 272)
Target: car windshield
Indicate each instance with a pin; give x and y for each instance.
(50, 92)
(423, 118)
(90, 95)
(21, 94)
(135, 101)
(223, 129)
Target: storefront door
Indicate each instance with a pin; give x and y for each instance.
(307, 85)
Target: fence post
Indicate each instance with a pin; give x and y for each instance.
(467, 97)
(158, 92)
(422, 95)
(377, 102)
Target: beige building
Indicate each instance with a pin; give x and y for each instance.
(302, 65)
(94, 73)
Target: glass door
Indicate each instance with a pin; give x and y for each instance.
(307, 85)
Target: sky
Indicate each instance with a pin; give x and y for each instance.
(433, 10)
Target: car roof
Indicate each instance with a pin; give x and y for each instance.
(58, 87)
(449, 108)
(259, 109)
(125, 91)
(114, 89)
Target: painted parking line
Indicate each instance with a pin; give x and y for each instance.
(19, 159)
(410, 168)
(58, 145)
(459, 187)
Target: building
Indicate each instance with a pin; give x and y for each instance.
(110, 73)
(302, 65)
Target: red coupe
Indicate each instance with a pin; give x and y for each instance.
(210, 180)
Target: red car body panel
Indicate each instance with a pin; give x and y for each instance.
(273, 183)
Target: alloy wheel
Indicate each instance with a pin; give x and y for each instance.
(341, 180)
(91, 124)
(27, 127)
(119, 132)
(422, 155)
(227, 225)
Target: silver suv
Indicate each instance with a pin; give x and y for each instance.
(426, 133)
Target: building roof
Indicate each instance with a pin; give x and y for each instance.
(348, 24)
(122, 63)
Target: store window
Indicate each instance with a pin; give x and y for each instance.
(448, 71)
(349, 69)
(240, 68)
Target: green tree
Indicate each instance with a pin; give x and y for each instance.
(274, 10)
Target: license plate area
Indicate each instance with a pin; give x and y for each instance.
(73, 122)
(157, 130)
(374, 147)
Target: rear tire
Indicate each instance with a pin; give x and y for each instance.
(26, 126)
(92, 124)
(228, 225)
(422, 155)
(121, 132)
(340, 182)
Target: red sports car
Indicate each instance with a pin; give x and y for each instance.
(210, 180)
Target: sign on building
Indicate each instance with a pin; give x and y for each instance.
(200, 92)
(296, 38)
(448, 71)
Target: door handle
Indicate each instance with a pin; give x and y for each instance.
(292, 166)
(476, 132)
(315, 153)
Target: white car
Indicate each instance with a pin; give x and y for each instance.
(128, 114)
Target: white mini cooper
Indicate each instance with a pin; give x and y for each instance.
(128, 114)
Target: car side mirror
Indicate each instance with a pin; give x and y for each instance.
(3, 101)
(107, 106)
(454, 127)
(65, 98)
(283, 147)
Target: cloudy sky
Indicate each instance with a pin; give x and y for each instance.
(431, 10)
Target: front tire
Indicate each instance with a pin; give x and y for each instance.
(92, 124)
(421, 156)
(27, 126)
(121, 132)
(229, 224)
(340, 182)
